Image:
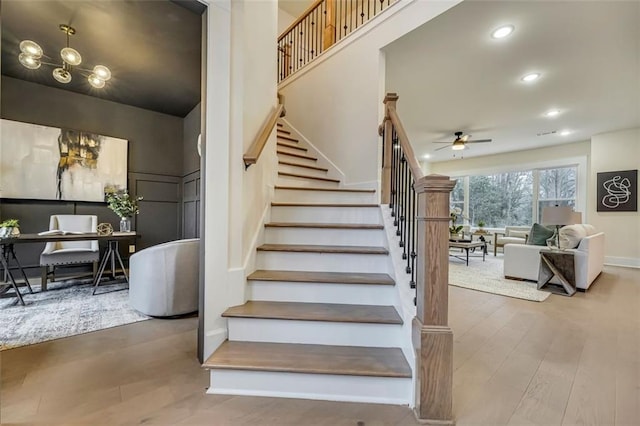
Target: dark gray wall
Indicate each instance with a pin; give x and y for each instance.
(191, 130)
(155, 159)
(191, 175)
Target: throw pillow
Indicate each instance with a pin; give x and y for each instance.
(571, 235)
(539, 235)
(590, 229)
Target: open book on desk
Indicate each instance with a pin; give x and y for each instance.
(59, 232)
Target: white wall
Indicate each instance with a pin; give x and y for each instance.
(284, 20)
(241, 90)
(336, 102)
(611, 152)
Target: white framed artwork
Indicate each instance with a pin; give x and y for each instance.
(49, 163)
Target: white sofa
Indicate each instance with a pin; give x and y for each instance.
(523, 261)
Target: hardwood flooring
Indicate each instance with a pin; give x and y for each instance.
(565, 361)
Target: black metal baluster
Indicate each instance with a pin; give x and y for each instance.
(401, 197)
(409, 223)
(414, 249)
(362, 11)
(396, 173)
(405, 213)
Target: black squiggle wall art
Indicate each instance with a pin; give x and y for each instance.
(618, 191)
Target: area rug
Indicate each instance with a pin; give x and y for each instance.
(66, 309)
(488, 277)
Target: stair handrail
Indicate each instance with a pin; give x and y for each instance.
(323, 24)
(253, 153)
(420, 209)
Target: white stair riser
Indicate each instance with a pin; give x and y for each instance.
(326, 214)
(353, 294)
(323, 262)
(301, 170)
(296, 181)
(297, 159)
(301, 196)
(315, 332)
(378, 390)
(353, 237)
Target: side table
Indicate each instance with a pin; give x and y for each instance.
(556, 263)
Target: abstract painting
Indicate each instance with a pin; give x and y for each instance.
(618, 191)
(48, 163)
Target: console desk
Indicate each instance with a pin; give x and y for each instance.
(112, 254)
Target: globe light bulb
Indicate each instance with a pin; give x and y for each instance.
(96, 81)
(29, 61)
(71, 56)
(102, 72)
(62, 76)
(31, 48)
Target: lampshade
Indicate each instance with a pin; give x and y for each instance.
(558, 216)
(576, 218)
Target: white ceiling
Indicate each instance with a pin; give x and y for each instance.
(451, 75)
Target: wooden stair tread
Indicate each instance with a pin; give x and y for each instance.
(293, 154)
(310, 359)
(284, 131)
(289, 138)
(279, 124)
(328, 312)
(292, 146)
(305, 188)
(306, 166)
(324, 225)
(297, 175)
(304, 248)
(295, 204)
(322, 277)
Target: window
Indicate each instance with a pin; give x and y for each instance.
(515, 198)
(501, 199)
(556, 187)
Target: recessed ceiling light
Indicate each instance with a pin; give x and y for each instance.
(531, 77)
(565, 133)
(552, 113)
(502, 32)
(426, 156)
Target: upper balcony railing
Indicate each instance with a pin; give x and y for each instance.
(322, 25)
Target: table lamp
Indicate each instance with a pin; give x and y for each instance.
(559, 216)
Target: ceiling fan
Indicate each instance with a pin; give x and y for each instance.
(461, 142)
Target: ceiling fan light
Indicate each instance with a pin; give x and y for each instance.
(29, 61)
(552, 113)
(502, 32)
(31, 48)
(71, 56)
(61, 75)
(458, 145)
(96, 81)
(102, 72)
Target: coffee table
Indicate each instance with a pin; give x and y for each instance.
(467, 245)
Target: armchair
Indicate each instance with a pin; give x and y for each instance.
(69, 252)
(511, 235)
(163, 279)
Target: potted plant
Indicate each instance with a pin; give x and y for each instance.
(454, 229)
(481, 225)
(9, 227)
(122, 204)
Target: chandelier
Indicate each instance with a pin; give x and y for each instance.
(31, 54)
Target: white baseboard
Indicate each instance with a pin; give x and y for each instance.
(625, 262)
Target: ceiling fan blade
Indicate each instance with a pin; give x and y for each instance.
(442, 147)
(480, 141)
(465, 138)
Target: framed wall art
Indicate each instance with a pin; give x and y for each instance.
(618, 191)
(48, 163)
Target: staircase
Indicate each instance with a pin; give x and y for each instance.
(320, 321)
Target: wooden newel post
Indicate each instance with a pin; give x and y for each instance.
(389, 102)
(329, 35)
(432, 337)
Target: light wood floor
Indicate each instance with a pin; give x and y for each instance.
(563, 361)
